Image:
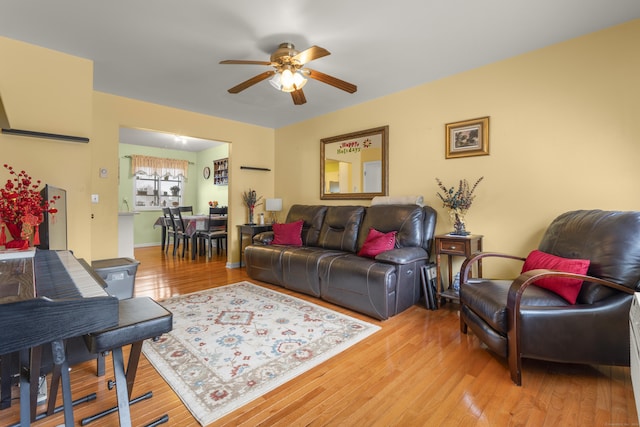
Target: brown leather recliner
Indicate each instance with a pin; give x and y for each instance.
(517, 320)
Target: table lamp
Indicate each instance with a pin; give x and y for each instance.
(273, 206)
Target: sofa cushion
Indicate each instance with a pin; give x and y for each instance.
(264, 262)
(288, 234)
(487, 298)
(340, 228)
(313, 216)
(360, 284)
(406, 220)
(377, 242)
(567, 287)
(300, 267)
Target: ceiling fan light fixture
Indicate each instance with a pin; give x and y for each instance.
(275, 81)
(289, 74)
(288, 81)
(298, 80)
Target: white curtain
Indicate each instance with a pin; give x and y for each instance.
(147, 165)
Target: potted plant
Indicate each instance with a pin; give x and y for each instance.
(175, 190)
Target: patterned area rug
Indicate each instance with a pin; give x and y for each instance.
(232, 344)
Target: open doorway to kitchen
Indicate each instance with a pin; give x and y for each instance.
(142, 194)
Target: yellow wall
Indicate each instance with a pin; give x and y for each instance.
(249, 146)
(48, 91)
(563, 136)
(51, 92)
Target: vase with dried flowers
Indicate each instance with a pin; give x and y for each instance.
(458, 201)
(22, 209)
(251, 200)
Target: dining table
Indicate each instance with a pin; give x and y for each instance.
(192, 225)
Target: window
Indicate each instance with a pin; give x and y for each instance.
(154, 192)
(158, 182)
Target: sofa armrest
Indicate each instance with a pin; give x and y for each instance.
(403, 255)
(465, 269)
(264, 238)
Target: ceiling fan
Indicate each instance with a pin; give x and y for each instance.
(289, 74)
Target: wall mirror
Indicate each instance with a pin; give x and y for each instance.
(355, 165)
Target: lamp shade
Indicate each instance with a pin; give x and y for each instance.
(273, 205)
(288, 81)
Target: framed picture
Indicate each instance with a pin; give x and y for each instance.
(206, 172)
(467, 138)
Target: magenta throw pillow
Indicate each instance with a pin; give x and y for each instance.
(288, 234)
(566, 287)
(377, 242)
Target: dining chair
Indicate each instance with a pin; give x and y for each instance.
(169, 230)
(217, 230)
(186, 209)
(178, 226)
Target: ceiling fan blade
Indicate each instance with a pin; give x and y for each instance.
(308, 55)
(239, 61)
(298, 97)
(330, 80)
(253, 80)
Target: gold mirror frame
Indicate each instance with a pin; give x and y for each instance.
(354, 144)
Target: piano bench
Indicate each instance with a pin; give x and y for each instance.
(139, 319)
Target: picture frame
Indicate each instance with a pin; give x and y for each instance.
(467, 138)
(206, 172)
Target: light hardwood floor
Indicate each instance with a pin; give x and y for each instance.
(418, 370)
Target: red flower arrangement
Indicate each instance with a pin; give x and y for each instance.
(22, 209)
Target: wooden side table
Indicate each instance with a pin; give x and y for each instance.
(451, 246)
(250, 230)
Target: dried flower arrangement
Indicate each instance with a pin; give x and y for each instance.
(251, 200)
(458, 201)
(460, 198)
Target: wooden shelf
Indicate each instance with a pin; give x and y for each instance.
(221, 172)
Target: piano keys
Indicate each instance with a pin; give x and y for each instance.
(47, 299)
(58, 297)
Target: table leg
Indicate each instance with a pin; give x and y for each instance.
(240, 246)
(163, 238)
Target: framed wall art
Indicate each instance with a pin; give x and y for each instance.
(467, 138)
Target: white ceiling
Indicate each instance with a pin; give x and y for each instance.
(170, 141)
(168, 51)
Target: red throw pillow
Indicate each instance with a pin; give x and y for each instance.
(288, 234)
(377, 242)
(566, 287)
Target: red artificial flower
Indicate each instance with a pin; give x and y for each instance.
(21, 202)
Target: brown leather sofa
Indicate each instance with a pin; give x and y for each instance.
(327, 265)
(517, 320)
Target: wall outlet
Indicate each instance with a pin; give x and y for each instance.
(95, 198)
